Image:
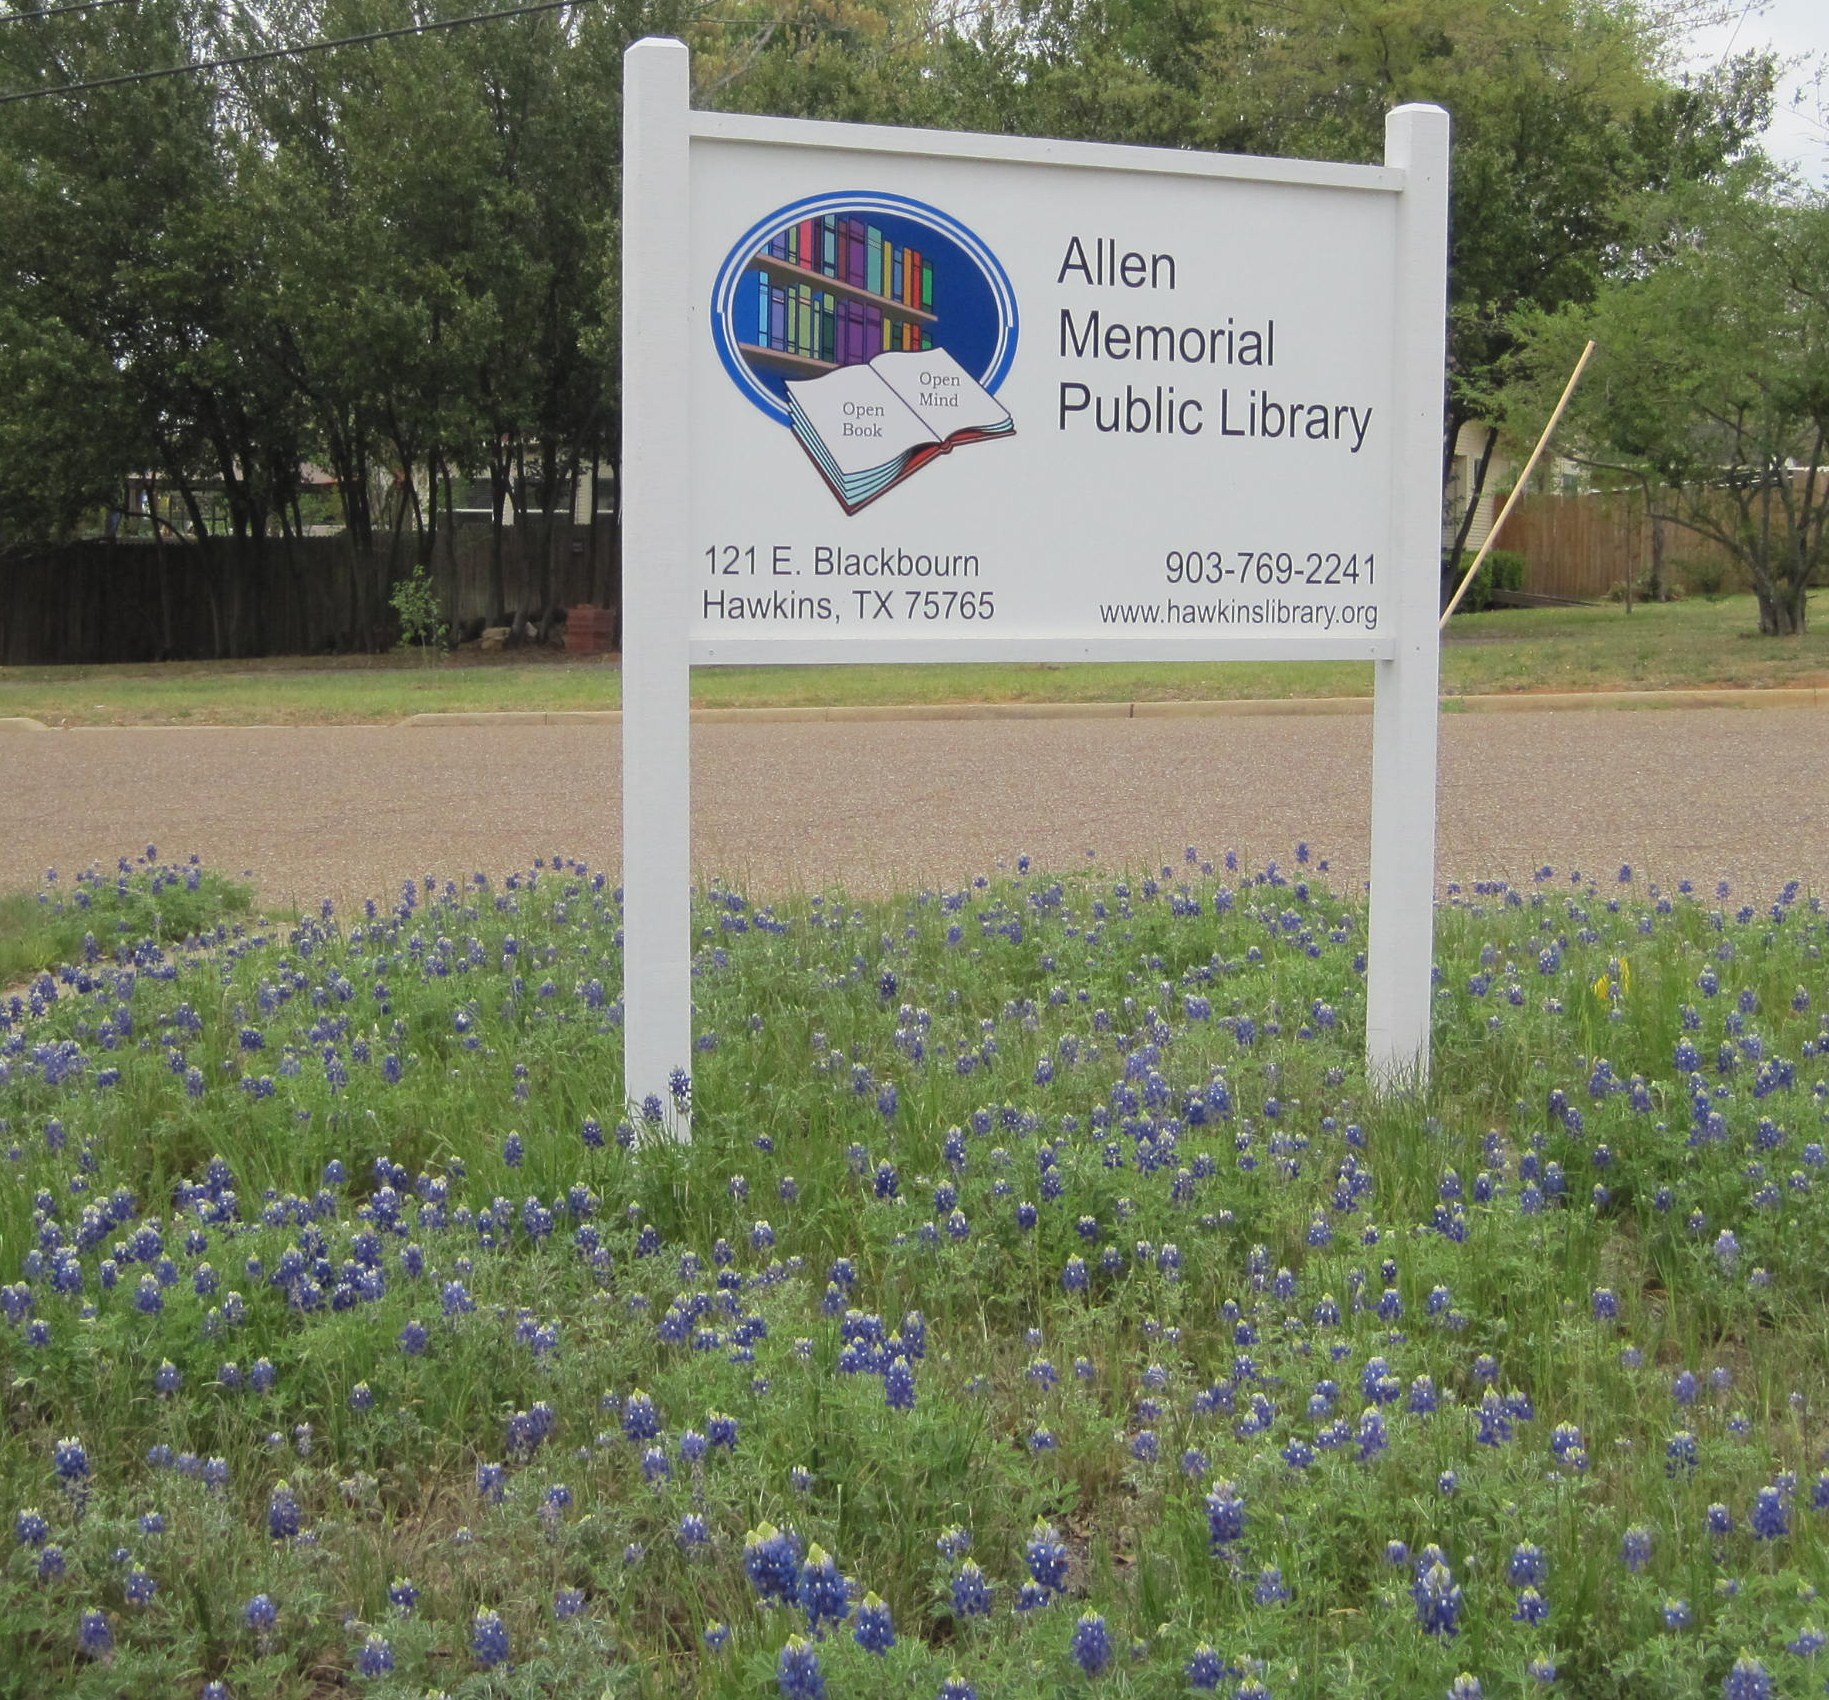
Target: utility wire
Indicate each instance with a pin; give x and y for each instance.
(60, 11)
(271, 53)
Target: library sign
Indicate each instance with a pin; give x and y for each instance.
(909, 395)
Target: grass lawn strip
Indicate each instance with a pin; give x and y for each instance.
(1689, 645)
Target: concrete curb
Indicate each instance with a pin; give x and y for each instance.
(1545, 702)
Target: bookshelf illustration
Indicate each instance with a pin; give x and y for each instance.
(830, 292)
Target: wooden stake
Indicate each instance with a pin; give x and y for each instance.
(1524, 478)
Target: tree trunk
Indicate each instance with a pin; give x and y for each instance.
(1451, 568)
(499, 471)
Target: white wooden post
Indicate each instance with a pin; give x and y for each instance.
(1401, 948)
(656, 691)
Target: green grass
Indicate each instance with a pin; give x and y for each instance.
(91, 915)
(1095, 1156)
(1688, 645)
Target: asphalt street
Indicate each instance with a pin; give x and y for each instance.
(872, 806)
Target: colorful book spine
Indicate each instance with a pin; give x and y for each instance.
(879, 285)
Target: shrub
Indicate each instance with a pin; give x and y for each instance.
(1503, 570)
(415, 600)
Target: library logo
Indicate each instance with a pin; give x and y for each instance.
(876, 328)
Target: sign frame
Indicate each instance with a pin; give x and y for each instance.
(659, 649)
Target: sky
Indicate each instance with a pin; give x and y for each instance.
(1796, 29)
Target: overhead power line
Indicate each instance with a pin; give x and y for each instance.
(60, 11)
(270, 53)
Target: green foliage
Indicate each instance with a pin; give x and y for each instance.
(1711, 380)
(1503, 570)
(339, 1122)
(400, 261)
(422, 627)
(94, 916)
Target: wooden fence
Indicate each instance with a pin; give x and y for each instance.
(93, 602)
(1585, 547)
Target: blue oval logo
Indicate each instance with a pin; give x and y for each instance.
(836, 280)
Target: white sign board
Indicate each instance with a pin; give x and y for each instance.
(1137, 408)
(923, 396)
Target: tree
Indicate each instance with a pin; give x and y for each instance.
(1563, 114)
(1711, 381)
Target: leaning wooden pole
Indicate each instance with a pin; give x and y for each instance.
(1524, 478)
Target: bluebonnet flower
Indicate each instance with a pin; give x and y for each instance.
(51, 1564)
(1271, 1589)
(1528, 1567)
(1532, 1607)
(488, 1639)
(1680, 1452)
(717, 1636)
(954, 1541)
(899, 1386)
(71, 1459)
(1809, 1642)
(798, 1672)
(1635, 1547)
(1466, 1686)
(1677, 1614)
(1046, 1557)
(771, 1560)
(971, 1592)
(1770, 1517)
(1091, 1644)
(640, 1419)
(693, 1534)
(1495, 1420)
(1225, 1516)
(282, 1513)
(261, 1614)
(375, 1657)
(94, 1635)
(820, 1589)
(1719, 1519)
(1437, 1596)
(1748, 1680)
(140, 1587)
(875, 1633)
(568, 1603)
(31, 1528)
(402, 1596)
(1206, 1669)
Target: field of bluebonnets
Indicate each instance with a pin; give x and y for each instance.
(1042, 1306)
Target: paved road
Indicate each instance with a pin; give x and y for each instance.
(349, 812)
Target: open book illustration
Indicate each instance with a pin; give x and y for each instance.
(867, 427)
